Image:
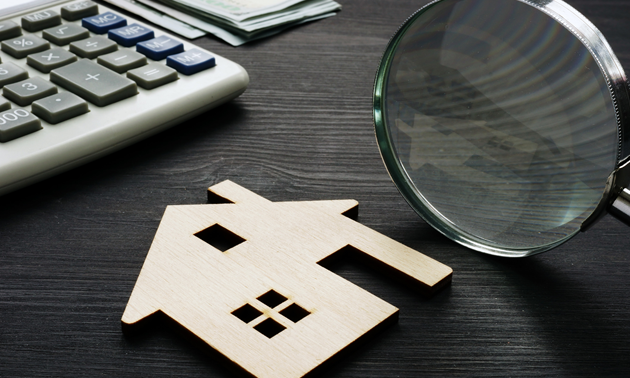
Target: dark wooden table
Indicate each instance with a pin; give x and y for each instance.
(72, 246)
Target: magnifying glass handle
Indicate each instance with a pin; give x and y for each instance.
(616, 197)
(620, 208)
(619, 183)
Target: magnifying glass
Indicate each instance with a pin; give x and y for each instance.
(505, 123)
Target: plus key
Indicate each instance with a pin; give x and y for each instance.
(93, 82)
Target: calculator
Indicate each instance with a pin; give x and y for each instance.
(80, 80)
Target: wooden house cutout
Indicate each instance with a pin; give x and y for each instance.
(245, 277)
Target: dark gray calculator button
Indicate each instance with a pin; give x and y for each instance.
(78, 10)
(4, 104)
(40, 20)
(61, 35)
(152, 75)
(9, 29)
(48, 60)
(92, 47)
(122, 61)
(15, 123)
(26, 91)
(10, 73)
(22, 46)
(59, 107)
(95, 83)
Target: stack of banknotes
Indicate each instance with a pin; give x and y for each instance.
(234, 21)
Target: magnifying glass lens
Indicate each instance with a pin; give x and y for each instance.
(496, 123)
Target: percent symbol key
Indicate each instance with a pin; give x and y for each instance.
(24, 45)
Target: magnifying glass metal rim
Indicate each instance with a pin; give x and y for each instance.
(617, 83)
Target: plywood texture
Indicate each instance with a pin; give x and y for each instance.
(245, 278)
(71, 248)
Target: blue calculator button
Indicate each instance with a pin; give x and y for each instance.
(103, 22)
(130, 35)
(160, 47)
(191, 61)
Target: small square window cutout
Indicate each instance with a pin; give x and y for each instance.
(272, 298)
(295, 313)
(220, 237)
(270, 328)
(246, 313)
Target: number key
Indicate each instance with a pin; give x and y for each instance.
(10, 73)
(15, 123)
(4, 104)
(26, 91)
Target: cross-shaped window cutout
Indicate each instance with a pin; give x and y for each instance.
(270, 327)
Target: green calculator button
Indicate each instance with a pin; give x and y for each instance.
(26, 91)
(10, 73)
(78, 10)
(59, 107)
(153, 75)
(93, 82)
(4, 104)
(122, 61)
(15, 123)
(63, 34)
(92, 47)
(9, 29)
(40, 20)
(48, 60)
(22, 46)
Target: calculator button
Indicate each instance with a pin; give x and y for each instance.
(26, 91)
(15, 123)
(9, 29)
(92, 47)
(160, 47)
(48, 60)
(40, 20)
(152, 75)
(77, 11)
(61, 35)
(130, 35)
(4, 104)
(10, 73)
(103, 22)
(95, 83)
(191, 62)
(59, 107)
(22, 46)
(122, 61)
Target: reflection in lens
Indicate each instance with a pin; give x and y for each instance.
(502, 120)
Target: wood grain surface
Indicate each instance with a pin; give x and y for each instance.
(72, 246)
(247, 279)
